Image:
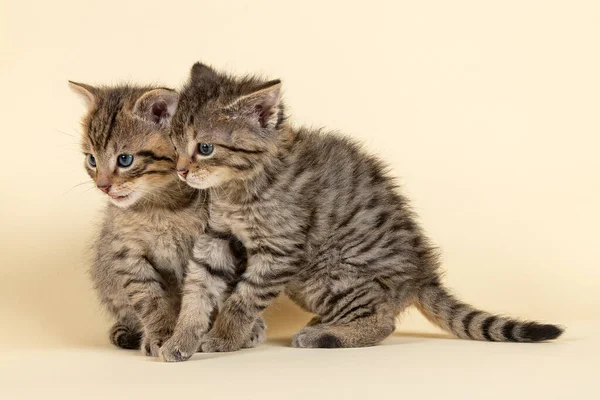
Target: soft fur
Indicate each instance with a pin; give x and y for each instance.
(320, 218)
(153, 219)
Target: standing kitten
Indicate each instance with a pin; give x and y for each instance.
(153, 219)
(320, 219)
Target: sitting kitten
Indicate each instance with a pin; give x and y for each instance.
(319, 218)
(153, 219)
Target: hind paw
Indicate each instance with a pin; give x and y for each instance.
(125, 337)
(311, 337)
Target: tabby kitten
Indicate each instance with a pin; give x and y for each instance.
(153, 219)
(319, 218)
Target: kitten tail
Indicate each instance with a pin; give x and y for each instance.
(467, 322)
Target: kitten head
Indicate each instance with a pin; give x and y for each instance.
(224, 127)
(126, 142)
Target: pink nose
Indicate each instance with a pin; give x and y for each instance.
(104, 188)
(182, 172)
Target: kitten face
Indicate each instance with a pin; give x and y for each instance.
(211, 153)
(224, 128)
(130, 168)
(127, 151)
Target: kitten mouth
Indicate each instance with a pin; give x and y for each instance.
(119, 197)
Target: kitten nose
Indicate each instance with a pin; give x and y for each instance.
(182, 172)
(104, 187)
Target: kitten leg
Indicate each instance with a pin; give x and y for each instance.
(363, 331)
(258, 334)
(147, 294)
(209, 275)
(126, 333)
(265, 278)
(174, 349)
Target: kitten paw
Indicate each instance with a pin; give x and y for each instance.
(178, 349)
(213, 344)
(311, 337)
(125, 337)
(152, 342)
(258, 334)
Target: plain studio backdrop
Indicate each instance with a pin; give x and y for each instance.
(487, 112)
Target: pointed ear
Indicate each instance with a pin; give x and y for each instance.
(262, 106)
(157, 106)
(201, 71)
(88, 93)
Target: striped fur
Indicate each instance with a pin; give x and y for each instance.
(467, 322)
(125, 337)
(321, 220)
(140, 255)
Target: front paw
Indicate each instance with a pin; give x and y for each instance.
(152, 343)
(213, 344)
(258, 334)
(179, 348)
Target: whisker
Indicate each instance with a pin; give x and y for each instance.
(89, 181)
(66, 134)
(88, 189)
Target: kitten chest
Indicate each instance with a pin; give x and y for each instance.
(232, 219)
(164, 238)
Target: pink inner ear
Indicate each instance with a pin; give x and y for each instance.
(159, 111)
(263, 114)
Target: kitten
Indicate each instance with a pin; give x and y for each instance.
(319, 218)
(153, 219)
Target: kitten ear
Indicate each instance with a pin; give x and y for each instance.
(157, 106)
(201, 71)
(88, 93)
(262, 105)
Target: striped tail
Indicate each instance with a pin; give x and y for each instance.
(466, 322)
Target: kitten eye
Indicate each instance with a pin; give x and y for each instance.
(205, 149)
(124, 160)
(91, 161)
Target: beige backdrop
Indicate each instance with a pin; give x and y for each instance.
(486, 111)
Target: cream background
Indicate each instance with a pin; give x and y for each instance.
(487, 111)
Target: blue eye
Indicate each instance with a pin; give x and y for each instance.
(124, 160)
(205, 149)
(91, 161)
